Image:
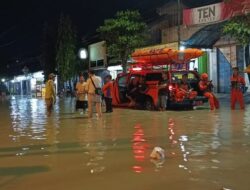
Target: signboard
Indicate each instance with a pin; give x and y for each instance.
(216, 12)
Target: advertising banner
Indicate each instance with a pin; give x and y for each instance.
(215, 12)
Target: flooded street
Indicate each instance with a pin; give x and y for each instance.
(204, 150)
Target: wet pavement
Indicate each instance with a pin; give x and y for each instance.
(204, 150)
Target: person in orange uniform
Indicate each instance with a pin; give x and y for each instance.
(206, 87)
(184, 90)
(107, 91)
(237, 86)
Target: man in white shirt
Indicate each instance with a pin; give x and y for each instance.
(93, 83)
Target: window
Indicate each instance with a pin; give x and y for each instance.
(178, 75)
(191, 76)
(154, 77)
(100, 63)
(92, 64)
(122, 81)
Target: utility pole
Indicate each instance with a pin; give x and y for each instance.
(179, 23)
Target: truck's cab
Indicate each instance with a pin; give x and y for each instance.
(123, 80)
(152, 79)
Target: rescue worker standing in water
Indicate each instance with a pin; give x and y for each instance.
(206, 87)
(237, 87)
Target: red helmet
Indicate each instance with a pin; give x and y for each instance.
(204, 76)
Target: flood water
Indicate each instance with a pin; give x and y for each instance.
(204, 150)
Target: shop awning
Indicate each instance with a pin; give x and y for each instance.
(205, 37)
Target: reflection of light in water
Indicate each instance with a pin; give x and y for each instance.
(182, 140)
(139, 148)
(18, 122)
(28, 119)
(138, 169)
(215, 144)
(23, 151)
(172, 139)
(96, 153)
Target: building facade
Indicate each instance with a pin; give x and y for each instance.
(200, 27)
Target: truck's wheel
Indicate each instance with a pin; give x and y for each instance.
(149, 105)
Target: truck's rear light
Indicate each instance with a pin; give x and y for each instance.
(137, 69)
(170, 87)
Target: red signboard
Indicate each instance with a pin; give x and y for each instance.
(216, 12)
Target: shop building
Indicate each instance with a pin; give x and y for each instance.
(31, 84)
(201, 27)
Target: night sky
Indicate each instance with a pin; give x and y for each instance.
(22, 20)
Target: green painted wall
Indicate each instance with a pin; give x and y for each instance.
(203, 64)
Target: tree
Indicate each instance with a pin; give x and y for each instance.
(123, 34)
(66, 49)
(239, 28)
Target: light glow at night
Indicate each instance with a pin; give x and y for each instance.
(83, 53)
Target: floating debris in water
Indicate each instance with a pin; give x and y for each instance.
(158, 153)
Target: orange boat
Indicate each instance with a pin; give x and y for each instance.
(159, 56)
(165, 56)
(184, 56)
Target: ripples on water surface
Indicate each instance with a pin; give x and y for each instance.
(204, 150)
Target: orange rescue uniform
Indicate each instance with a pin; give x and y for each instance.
(237, 82)
(213, 101)
(183, 91)
(107, 89)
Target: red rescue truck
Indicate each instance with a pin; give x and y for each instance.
(148, 68)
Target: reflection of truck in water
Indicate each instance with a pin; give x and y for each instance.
(151, 73)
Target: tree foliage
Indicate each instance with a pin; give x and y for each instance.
(239, 28)
(66, 48)
(123, 34)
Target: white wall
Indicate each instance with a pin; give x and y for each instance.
(213, 72)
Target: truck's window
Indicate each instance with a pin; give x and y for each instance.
(122, 81)
(178, 75)
(191, 76)
(134, 77)
(153, 77)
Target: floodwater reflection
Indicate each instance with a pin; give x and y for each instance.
(204, 150)
(139, 146)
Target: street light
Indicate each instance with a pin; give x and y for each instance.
(3, 80)
(182, 47)
(83, 54)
